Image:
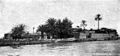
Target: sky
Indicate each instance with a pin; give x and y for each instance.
(36, 12)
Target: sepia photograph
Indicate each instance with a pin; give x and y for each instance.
(59, 28)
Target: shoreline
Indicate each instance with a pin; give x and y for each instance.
(34, 42)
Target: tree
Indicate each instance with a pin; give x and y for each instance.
(42, 29)
(66, 28)
(67, 23)
(51, 26)
(98, 18)
(83, 24)
(57, 28)
(18, 31)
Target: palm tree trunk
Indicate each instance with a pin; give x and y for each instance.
(98, 24)
(42, 35)
(84, 27)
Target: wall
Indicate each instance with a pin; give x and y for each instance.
(95, 35)
(101, 35)
(76, 35)
(83, 35)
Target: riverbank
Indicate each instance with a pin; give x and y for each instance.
(31, 42)
(13, 42)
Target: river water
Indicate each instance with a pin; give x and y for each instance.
(97, 48)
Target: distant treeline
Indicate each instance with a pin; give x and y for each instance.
(52, 28)
(55, 28)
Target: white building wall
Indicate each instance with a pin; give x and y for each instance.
(96, 35)
(82, 35)
(100, 35)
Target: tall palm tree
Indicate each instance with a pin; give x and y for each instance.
(98, 18)
(42, 29)
(51, 26)
(83, 24)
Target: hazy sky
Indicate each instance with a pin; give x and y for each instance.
(36, 12)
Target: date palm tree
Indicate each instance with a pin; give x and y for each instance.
(83, 24)
(51, 26)
(42, 29)
(98, 18)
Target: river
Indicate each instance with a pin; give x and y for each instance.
(97, 48)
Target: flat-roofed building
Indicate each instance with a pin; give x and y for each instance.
(96, 34)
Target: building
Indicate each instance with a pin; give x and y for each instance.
(7, 36)
(26, 36)
(102, 33)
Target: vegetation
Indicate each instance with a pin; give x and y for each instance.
(98, 18)
(42, 29)
(64, 28)
(18, 31)
(83, 24)
(57, 28)
(50, 23)
(54, 29)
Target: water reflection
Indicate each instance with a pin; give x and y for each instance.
(103, 48)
